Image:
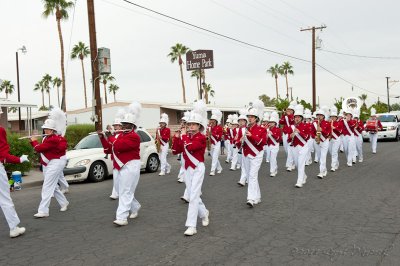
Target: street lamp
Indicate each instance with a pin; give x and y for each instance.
(387, 87)
(23, 50)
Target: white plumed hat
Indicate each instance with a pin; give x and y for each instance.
(334, 111)
(119, 116)
(164, 118)
(274, 117)
(298, 110)
(57, 121)
(257, 109)
(235, 119)
(266, 117)
(307, 113)
(186, 115)
(229, 119)
(132, 115)
(243, 114)
(216, 115)
(199, 114)
(292, 105)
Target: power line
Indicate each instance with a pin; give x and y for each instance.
(362, 56)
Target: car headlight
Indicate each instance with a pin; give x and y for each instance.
(82, 162)
(391, 127)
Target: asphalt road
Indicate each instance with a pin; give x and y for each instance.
(349, 218)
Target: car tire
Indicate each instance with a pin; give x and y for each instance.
(97, 172)
(153, 163)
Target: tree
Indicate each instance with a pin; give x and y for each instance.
(59, 8)
(338, 103)
(113, 89)
(267, 100)
(12, 109)
(363, 98)
(39, 87)
(208, 91)
(57, 84)
(196, 74)
(286, 69)
(106, 78)
(176, 54)
(275, 71)
(282, 104)
(306, 104)
(380, 107)
(46, 81)
(7, 87)
(81, 51)
(395, 107)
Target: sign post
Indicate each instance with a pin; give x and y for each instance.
(199, 60)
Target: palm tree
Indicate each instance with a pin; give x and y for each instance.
(208, 91)
(82, 51)
(46, 81)
(285, 70)
(176, 54)
(7, 87)
(39, 87)
(196, 74)
(363, 98)
(275, 71)
(60, 9)
(56, 84)
(105, 78)
(113, 89)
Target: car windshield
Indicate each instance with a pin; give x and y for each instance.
(89, 142)
(387, 118)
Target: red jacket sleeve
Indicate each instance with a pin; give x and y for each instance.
(127, 142)
(380, 125)
(5, 155)
(177, 145)
(326, 129)
(193, 144)
(166, 134)
(282, 120)
(277, 134)
(260, 136)
(106, 145)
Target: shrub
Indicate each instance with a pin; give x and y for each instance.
(19, 147)
(75, 133)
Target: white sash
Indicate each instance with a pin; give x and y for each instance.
(272, 138)
(161, 140)
(347, 126)
(358, 133)
(334, 134)
(231, 133)
(320, 136)
(251, 146)
(191, 158)
(298, 135)
(116, 159)
(44, 159)
(287, 121)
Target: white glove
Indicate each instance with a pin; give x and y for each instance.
(24, 158)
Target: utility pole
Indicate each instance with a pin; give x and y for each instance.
(313, 63)
(387, 88)
(95, 65)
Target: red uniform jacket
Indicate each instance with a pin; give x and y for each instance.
(258, 138)
(125, 148)
(304, 133)
(286, 121)
(107, 144)
(175, 147)
(377, 124)
(165, 135)
(276, 133)
(325, 129)
(230, 135)
(52, 147)
(216, 133)
(351, 124)
(5, 156)
(195, 145)
(310, 126)
(337, 129)
(358, 130)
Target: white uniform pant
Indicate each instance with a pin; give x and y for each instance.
(323, 147)
(52, 173)
(128, 178)
(373, 138)
(317, 151)
(215, 150)
(235, 156)
(359, 146)
(240, 158)
(273, 164)
(194, 180)
(310, 144)
(267, 153)
(62, 182)
(289, 160)
(114, 192)
(244, 173)
(252, 166)
(349, 148)
(6, 203)
(228, 150)
(165, 166)
(181, 174)
(334, 146)
(299, 154)
(341, 143)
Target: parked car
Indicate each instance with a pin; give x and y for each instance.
(89, 153)
(391, 130)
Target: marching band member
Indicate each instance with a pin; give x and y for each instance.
(126, 153)
(52, 157)
(322, 132)
(228, 138)
(215, 135)
(299, 134)
(340, 118)
(357, 130)
(192, 144)
(264, 124)
(183, 121)
(316, 148)
(163, 137)
(6, 203)
(274, 136)
(243, 121)
(234, 133)
(348, 123)
(252, 144)
(373, 126)
(335, 142)
(287, 120)
(310, 142)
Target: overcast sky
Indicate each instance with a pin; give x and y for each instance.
(140, 41)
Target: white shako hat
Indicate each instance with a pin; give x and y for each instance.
(307, 113)
(243, 114)
(132, 114)
(274, 117)
(292, 105)
(57, 121)
(334, 111)
(299, 110)
(216, 115)
(164, 118)
(256, 109)
(235, 119)
(266, 117)
(198, 115)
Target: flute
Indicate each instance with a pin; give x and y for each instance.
(31, 136)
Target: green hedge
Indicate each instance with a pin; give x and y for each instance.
(75, 133)
(19, 147)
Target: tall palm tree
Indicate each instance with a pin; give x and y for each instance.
(105, 78)
(176, 54)
(286, 69)
(60, 9)
(113, 89)
(7, 87)
(196, 74)
(275, 71)
(46, 81)
(39, 87)
(208, 91)
(57, 84)
(81, 51)
(363, 98)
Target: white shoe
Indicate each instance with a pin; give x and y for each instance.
(190, 231)
(180, 180)
(289, 169)
(238, 167)
(161, 173)
(41, 215)
(184, 199)
(250, 203)
(205, 220)
(232, 169)
(65, 191)
(64, 208)
(257, 201)
(360, 161)
(133, 215)
(241, 184)
(304, 179)
(321, 175)
(333, 169)
(267, 161)
(349, 164)
(298, 185)
(325, 173)
(272, 174)
(212, 173)
(227, 161)
(17, 231)
(374, 152)
(120, 222)
(113, 197)
(219, 171)
(168, 170)
(315, 161)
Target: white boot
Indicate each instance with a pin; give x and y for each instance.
(17, 231)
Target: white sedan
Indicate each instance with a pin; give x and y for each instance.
(90, 154)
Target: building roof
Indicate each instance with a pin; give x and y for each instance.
(9, 103)
(35, 115)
